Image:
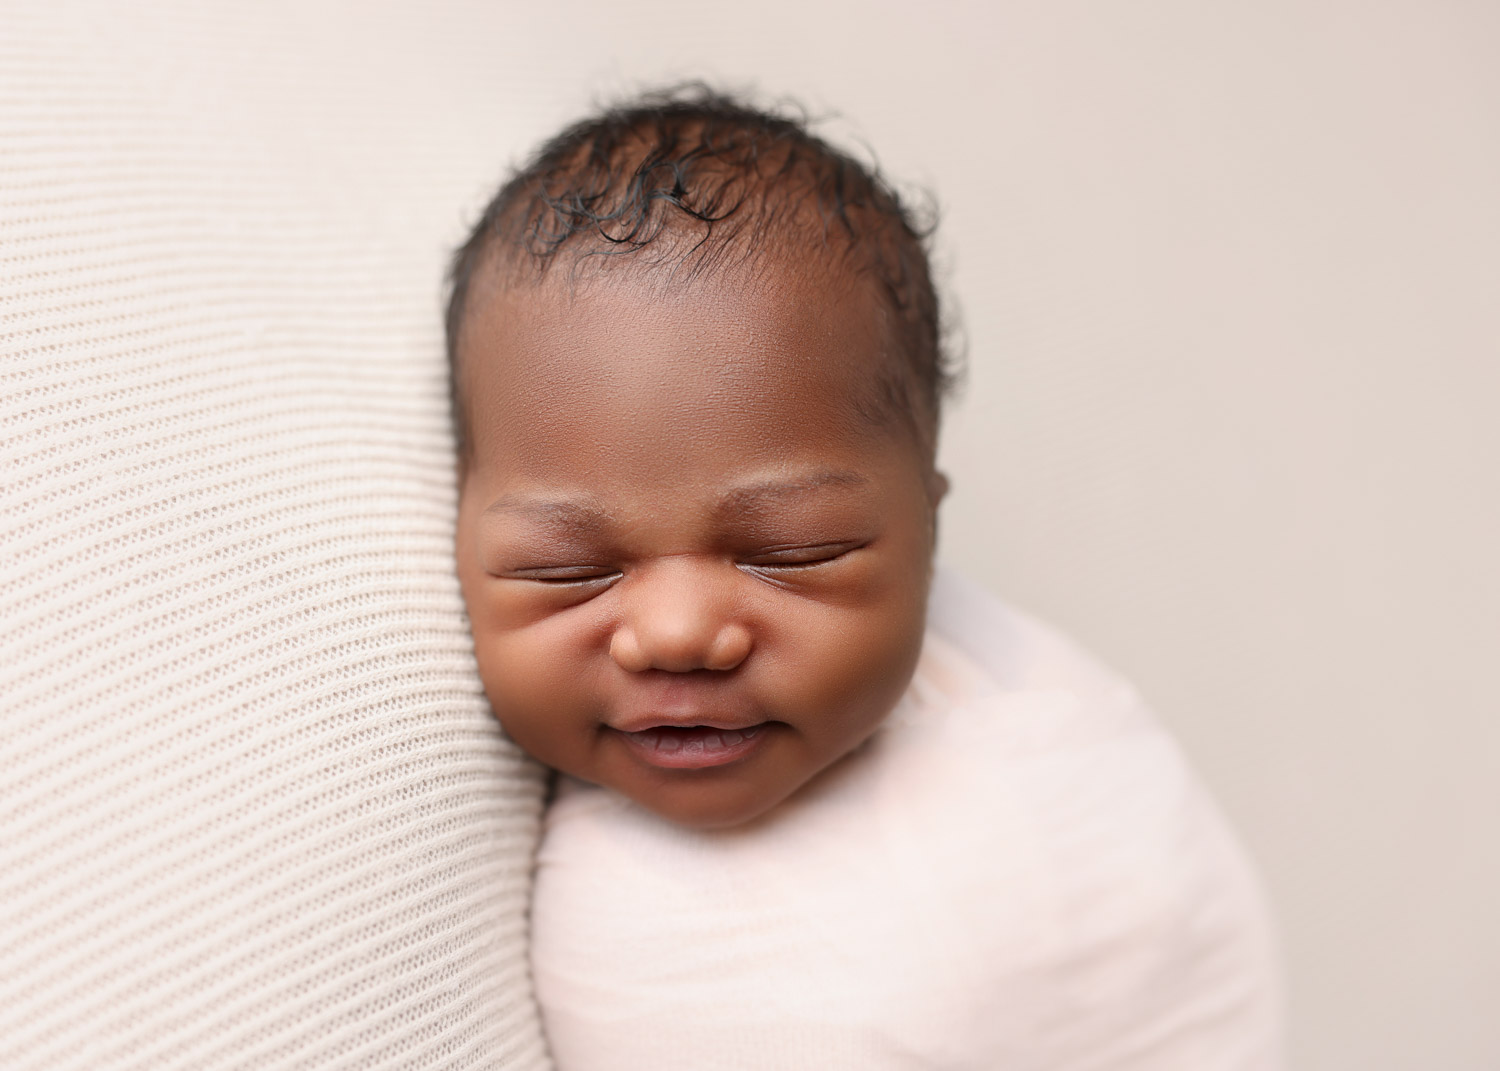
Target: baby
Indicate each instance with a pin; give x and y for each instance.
(697, 369)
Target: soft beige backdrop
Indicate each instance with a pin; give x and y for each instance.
(1232, 292)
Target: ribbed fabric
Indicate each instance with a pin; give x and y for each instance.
(254, 812)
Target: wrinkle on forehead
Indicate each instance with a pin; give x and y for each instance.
(583, 511)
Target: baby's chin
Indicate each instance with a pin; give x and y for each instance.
(709, 807)
(716, 803)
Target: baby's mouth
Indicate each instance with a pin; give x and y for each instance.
(691, 747)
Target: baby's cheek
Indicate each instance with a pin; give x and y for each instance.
(536, 706)
(861, 678)
(521, 671)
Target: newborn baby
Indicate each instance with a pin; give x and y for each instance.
(696, 372)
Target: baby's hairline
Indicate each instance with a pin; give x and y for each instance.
(689, 180)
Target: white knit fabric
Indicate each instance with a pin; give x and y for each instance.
(253, 810)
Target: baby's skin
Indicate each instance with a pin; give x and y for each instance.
(695, 565)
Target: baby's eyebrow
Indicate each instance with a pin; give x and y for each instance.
(752, 497)
(554, 511)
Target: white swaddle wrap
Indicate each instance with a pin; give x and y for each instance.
(1017, 871)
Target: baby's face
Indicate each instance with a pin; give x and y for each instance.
(695, 573)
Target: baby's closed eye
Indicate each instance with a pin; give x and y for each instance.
(802, 555)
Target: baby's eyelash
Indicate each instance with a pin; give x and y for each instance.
(802, 557)
(563, 574)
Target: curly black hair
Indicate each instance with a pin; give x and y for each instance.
(692, 178)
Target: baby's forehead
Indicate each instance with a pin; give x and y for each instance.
(791, 339)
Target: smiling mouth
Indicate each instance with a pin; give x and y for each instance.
(693, 747)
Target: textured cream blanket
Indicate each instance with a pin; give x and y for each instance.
(254, 811)
(1018, 871)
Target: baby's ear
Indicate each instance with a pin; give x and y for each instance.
(937, 487)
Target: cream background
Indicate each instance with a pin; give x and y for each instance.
(1229, 276)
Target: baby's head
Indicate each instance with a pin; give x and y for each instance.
(696, 374)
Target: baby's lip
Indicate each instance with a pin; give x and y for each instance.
(644, 722)
(693, 747)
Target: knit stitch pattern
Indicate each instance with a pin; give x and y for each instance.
(254, 811)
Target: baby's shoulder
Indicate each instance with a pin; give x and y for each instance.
(995, 679)
(1016, 651)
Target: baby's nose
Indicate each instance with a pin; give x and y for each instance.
(680, 618)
